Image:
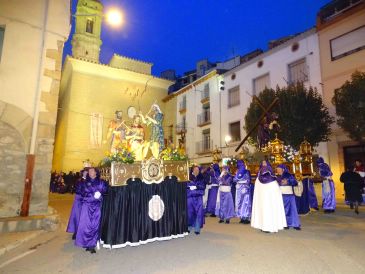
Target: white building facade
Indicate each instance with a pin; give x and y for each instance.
(296, 60)
(207, 114)
(198, 116)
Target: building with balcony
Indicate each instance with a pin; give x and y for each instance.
(290, 59)
(341, 34)
(196, 122)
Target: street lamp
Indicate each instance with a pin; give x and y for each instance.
(227, 139)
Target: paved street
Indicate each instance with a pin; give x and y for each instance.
(327, 244)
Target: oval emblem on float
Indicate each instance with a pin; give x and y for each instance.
(156, 208)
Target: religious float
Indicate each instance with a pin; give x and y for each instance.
(147, 198)
(299, 162)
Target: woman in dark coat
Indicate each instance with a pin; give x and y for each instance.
(353, 186)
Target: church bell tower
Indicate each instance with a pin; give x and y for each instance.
(86, 40)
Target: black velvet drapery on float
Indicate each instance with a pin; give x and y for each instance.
(140, 213)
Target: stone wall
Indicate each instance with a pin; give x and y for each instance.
(46, 135)
(12, 168)
(15, 135)
(15, 130)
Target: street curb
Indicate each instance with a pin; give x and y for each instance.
(18, 243)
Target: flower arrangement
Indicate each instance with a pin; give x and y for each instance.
(121, 155)
(289, 153)
(170, 154)
(232, 162)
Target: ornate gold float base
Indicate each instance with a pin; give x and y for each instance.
(149, 171)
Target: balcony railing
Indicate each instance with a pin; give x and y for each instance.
(181, 128)
(205, 96)
(204, 118)
(182, 106)
(334, 8)
(204, 146)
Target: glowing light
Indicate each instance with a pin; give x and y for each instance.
(227, 139)
(114, 17)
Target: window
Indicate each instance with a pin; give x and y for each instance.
(235, 131)
(260, 83)
(205, 92)
(206, 139)
(183, 103)
(2, 32)
(234, 96)
(183, 122)
(298, 72)
(206, 113)
(89, 25)
(348, 43)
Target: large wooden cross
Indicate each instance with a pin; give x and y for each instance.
(266, 111)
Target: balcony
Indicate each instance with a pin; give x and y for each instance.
(182, 106)
(204, 118)
(181, 128)
(205, 96)
(204, 147)
(335, 8)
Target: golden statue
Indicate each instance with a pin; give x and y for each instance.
(117, 132)
(135, 138)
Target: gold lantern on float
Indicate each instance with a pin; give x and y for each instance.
(243, 152)
(277, 150)
(217, 155)
(297, 167)
(306, 153)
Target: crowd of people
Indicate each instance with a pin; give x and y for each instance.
(63, 183)
(270, 204)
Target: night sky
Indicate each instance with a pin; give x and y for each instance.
(177, 33)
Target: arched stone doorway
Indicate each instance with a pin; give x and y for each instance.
(14, 133)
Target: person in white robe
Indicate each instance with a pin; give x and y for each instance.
(268, 213)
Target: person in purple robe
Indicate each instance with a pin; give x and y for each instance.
(73, 221)
(213, 186)
(328, 187)
(92, 193)
(308, 199)
(313, 202)
(244, 193)
(226, 205)
(268, 213)
(195, 192)
(287, 182)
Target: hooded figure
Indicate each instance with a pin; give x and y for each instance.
(195, 192)
(308, 199)
(92, 197)
(213, 190)
(287, 182)
(268, 212)
(226, 205)
(328, 187)
(73, 221)
(244, 193)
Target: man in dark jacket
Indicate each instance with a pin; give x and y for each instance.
(353, 186)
